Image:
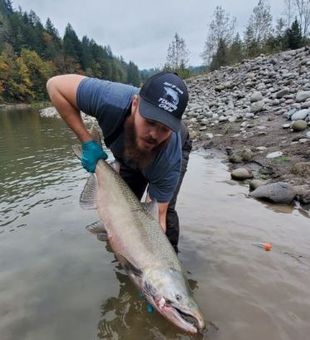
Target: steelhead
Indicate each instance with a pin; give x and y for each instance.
(141, 246)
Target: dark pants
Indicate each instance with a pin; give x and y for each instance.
(137, 182)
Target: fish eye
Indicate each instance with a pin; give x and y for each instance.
(178, 297)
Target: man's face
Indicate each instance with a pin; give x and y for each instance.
(149, 133)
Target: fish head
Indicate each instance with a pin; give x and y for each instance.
(168, 291)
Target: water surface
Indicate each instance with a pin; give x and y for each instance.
(57, 281)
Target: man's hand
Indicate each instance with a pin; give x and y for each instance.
(91, 153)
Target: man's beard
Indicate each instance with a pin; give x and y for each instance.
(132, 152)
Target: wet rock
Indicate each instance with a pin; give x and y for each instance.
(244, 155)
(303, 193)
(299, 125)
(255, 183)
(241, 174)
(279, 192)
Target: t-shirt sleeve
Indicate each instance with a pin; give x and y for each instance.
(104, 100)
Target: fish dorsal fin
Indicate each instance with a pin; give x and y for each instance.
(152, 208)
(88, 198)
(129, 267)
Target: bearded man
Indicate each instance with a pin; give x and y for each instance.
(143, 128)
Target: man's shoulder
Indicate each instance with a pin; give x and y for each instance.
(109, 92)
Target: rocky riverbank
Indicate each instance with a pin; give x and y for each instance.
(258, 112)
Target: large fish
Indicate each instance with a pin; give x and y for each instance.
(141, 246)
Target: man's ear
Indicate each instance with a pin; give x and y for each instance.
(135, 103)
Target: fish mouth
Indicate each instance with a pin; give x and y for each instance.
(189, 321)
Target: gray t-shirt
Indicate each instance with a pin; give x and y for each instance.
(109, 103)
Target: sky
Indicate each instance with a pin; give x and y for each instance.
(141, 31)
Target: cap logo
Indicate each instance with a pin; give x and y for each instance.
(169, 100)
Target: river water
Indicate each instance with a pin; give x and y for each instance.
(57, 281)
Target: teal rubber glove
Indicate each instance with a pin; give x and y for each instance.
(91, 153)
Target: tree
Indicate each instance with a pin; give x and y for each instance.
(72, 48)
(177, 56)
(133, 76)
(293, 36)
(289, 12)
(235, 52)
(221, 57)
(222, 28)
(303, 10)
(259, 28)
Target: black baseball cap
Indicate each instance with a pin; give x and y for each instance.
(163, 98)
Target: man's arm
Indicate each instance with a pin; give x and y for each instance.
(162, 210)
(62, 91)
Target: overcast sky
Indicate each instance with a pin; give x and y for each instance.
(141, 31)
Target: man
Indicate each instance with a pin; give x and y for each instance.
(143, 129)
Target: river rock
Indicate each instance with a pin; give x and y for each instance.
(257, 106)
(282, 93)
(300, 115)
(279, 192)
(299, 125)
(241, 174)
(255, 183)
(302, 96)
(256, 96)
(301, 169)
(274, 154)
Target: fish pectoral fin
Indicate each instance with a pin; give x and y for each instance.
(96, 227)
(152, 208)
(95, 134)
(129, 267)
(77, 151)
(115, 165)
(88, 198)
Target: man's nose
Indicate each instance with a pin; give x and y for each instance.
(155, 132)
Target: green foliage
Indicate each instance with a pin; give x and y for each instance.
(30, 53)
(293, 36)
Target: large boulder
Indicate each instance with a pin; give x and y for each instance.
(279, 192)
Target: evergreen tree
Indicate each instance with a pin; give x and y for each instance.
(293, 36)
(235, 51)
(72, 50)
(133, 76)
(221, 57)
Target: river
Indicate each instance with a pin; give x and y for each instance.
(57, 281)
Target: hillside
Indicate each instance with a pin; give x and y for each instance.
(258, 112)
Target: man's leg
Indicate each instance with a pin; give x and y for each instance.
(172, 221)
